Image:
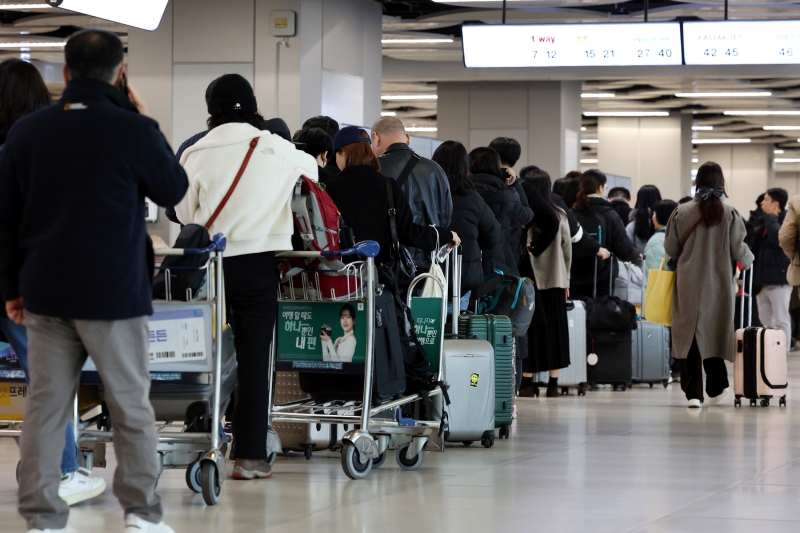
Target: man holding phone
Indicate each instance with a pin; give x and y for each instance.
(76, 269)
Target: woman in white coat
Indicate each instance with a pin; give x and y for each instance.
(257, 221)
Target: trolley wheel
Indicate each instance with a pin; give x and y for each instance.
(307, 451)
(737, 402)
(351, 462)
(409, 464)
(467, 443)
(194, 477)
(378, 461)
(271, 458)
(487, 442)
(665, 383)
(764, 403)
(782, 401)
(210, 482)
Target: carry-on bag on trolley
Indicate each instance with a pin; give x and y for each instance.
(610, 322)
(651, 352)
(574, 376)
(497, 331)
(759, 366)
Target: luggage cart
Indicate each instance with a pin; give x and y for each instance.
(365, 447)
(181, 445)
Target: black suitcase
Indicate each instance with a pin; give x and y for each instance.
(614, 351)
(389, 376)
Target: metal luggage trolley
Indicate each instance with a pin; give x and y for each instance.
(364, 447)
(197, 444)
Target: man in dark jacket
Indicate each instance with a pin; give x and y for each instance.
(74, 268)
(771, 265)
(620, 199)
(425, 186)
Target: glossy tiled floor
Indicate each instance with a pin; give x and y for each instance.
(635, 461)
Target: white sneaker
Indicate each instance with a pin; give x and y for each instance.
(65, 530)
(695, 404)
(134, 524)
(716, 399)
(514, 412)
(81, 486)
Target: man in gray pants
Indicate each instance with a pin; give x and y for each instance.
(76, 268)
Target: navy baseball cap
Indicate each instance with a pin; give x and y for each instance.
(349, 135)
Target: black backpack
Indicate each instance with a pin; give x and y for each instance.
(184, 272)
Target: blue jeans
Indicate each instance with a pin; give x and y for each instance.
(18, 339)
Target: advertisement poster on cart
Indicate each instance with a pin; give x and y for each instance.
(321, 335)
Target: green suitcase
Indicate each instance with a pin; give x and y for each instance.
(496, 330)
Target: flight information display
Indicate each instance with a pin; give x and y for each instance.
(572, 45)
(767, 42)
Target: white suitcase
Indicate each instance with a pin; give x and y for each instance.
(759, 366)
(306, 438)
(468, 367)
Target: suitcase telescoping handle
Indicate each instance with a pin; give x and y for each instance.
(610, 277)
(749, 295)
(455, 284)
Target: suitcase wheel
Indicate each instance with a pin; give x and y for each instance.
(782, 401)
(564, 391)
(582, 390)
(665, 383)
(651, 385)
(752, 403)
(737, 402)
(307, 451)
(505, 432)
(765, 403)
(467, 443)
(409, 464)
(487, 442)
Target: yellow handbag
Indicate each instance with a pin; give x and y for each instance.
(660, 290)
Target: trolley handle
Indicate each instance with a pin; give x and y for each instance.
(218, 244)
(363, 248)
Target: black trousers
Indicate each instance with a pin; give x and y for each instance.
(251, 292)
(692, 375)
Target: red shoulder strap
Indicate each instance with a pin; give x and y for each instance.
(224, 201)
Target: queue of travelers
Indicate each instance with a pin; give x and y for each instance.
(562, 234)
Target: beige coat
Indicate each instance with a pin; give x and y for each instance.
(788, 239)
(552, 267)
(705, 289)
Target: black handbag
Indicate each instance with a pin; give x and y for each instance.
(402, 263)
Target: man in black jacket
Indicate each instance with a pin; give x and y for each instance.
(76, 267)
(425, 185)
(771, 265)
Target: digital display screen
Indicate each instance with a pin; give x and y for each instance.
(572, 45)
(144, 14)
(768, 42)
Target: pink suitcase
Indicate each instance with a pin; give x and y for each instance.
(759, 367)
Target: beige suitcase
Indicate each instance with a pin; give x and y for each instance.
(306, 438)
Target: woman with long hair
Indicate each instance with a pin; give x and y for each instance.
(22, 92)
(706, 236)
(472, 219)
(599, 219)
(641, 228)
(548, 338)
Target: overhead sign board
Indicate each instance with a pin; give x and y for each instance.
(767, 42)
(144, 14)
(572, 45)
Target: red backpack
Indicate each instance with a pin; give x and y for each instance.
(316, 218)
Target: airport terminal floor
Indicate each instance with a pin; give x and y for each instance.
(635, 461)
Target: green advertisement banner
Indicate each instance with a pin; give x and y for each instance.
(427, 314)
(321, 335)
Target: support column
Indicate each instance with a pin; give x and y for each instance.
(649, 150)
(747, 169)
(545, 118)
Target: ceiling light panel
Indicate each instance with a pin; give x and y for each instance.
(725, 94)
(782, 128)
(702, 128)
(416, 41)
(721, 141)
(409, 97)
(764, 113)
(598, 95)
(626, 113)
(32, 45)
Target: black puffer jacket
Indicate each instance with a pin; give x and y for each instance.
(427, 190)
(478, 229)
(507, 207)
(603, 221)
(583, 246)
(771, 263)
